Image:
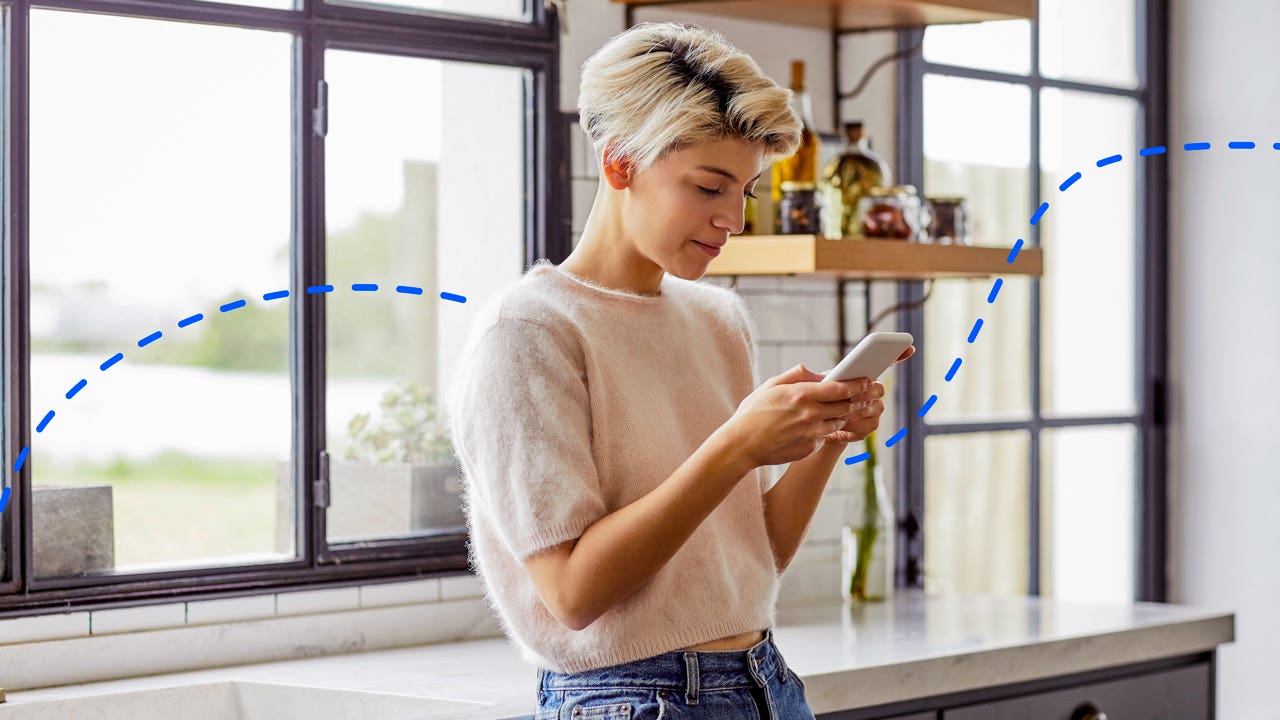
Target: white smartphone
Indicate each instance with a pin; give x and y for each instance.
(871, 357)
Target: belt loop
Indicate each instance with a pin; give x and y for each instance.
(691, 677)
(542, 686)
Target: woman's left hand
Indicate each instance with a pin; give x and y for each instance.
(866, 418)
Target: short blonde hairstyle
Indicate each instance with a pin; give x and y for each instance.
(660, 87)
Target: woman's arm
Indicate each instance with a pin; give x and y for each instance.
(580, 581)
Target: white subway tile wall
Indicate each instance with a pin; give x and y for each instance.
(316, 601)
(230, 609)
(44, 627)
(133, 619)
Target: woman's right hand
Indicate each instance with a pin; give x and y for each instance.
(787, 418)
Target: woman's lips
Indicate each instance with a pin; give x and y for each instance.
(708, 249)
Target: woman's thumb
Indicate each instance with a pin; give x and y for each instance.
(797, 373)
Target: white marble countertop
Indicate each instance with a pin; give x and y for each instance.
(849, 656)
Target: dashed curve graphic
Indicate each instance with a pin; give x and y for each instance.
(1013, 254)
(893, 440)
(191, 320)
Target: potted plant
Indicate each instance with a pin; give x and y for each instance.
(397, 475)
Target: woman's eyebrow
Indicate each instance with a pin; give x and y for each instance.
(726, 173)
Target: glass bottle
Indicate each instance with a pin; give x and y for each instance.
(868, 562)
(850, 175)
(803, 165)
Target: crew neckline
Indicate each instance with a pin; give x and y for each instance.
(601, 289)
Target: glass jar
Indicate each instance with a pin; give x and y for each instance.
(867, 561)
(950, 225)
(800, 210)
(892, 213)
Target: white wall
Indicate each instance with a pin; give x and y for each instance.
(1224, 256)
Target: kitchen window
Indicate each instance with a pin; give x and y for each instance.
(241, 242)
(1040, 468)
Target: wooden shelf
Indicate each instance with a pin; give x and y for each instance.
(854, 14)
(861, 259)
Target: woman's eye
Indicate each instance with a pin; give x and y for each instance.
(709, 191)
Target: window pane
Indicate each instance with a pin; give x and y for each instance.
(161, 185)
(1089, 41)
(975, 513)
(1089, 240)
(496, 9)
(986, 159)
(405, 208)
(1087, 532)
(1002, 45)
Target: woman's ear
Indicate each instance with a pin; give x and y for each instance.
(618, 171)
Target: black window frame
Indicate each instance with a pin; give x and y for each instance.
(316, 27)
(1151, 308)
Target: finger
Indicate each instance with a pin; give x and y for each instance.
(837, 391)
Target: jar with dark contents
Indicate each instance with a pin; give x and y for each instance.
(950, 224)
(891, 213)
(800, 210)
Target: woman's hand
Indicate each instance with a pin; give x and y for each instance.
(866, 417)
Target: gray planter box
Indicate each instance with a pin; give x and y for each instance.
(74, 529)
(378, 500)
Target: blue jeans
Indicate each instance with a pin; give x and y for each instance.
(750, 684)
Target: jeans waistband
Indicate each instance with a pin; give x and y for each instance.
(682, 670)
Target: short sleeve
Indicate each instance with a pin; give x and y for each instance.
(520, 422)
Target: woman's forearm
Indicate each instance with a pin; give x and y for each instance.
(790, 504)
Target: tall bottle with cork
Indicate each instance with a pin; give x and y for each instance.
(849, 176)
(802, 167)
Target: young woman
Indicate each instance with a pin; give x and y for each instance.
(609, 425)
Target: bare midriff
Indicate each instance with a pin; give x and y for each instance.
(733, 642)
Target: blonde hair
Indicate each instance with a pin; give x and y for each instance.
(660, 87)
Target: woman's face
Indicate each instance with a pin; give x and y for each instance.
(688, 203)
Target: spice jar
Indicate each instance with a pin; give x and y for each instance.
(950, 224)
(800, 210)
(891, 213)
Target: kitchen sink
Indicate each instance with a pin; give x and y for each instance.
(241, 701)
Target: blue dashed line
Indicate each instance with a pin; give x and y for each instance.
(1040, 211)
(1109, 160)
(1013, 252)
(952, 372)
(1069, 182)
(928, 404)
(995, 290)
(22, 457)
(896, 437)
(1276, 146)
(1155, 150)
(857, 458)
(4, 498)
(197, 317)
(973, 334)
(1241, 145)
(1196, 146)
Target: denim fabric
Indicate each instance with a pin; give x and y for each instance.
(750, 684)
